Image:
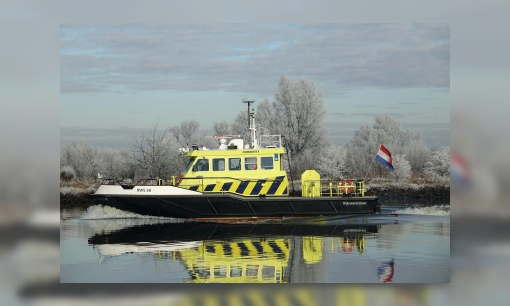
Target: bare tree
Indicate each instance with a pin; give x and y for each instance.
(153, 152)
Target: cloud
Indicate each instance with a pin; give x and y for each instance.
(251, 57)
(371, 115)
(432, 133)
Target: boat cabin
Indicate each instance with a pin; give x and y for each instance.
(231, 168)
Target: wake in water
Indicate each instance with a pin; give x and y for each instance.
(105, 219)
(106, 212)
(104, 226)
(436, 210)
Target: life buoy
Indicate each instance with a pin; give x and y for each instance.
(347, 246)
(346, 187)
(179, 179)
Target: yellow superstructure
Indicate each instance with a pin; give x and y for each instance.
(246, 172)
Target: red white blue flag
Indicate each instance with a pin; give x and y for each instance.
(384, 157)
(459, 169)
(386, 271)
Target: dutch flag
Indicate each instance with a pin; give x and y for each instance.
(386, 271)
(384, 157)
(459, 170)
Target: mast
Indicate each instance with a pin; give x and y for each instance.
(250, 127)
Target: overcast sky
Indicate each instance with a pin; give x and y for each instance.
(127, 77)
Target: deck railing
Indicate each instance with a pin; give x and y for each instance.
(325, 188)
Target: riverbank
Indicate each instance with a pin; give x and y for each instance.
(409, 194)
(75, 194)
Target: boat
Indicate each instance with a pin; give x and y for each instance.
(237, 181)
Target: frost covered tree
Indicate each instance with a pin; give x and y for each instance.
(439, 163)
(331, 163)
(402, 168)
(387, 131)
(115, 163)
(297, 113)
(266, 117)
(240, 126)
(221, 128)
(418, 154)
(186, 133)
(305, 161)
(86, 161)
(67, 173)
(82, 157)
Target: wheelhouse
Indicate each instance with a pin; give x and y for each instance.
(248, 172)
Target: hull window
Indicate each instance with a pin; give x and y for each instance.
(250, 163)
(234, 164)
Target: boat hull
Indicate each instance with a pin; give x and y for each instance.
(218, 206)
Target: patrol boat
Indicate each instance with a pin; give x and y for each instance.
(237, 181)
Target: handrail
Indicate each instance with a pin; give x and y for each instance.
(335, 188)
(140, 182)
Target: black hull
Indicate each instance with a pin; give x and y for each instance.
(219, 206)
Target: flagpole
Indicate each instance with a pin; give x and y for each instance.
(369, 168)
(371, 164)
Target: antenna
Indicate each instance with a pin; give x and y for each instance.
(249, 102)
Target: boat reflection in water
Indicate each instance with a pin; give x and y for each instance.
(239, 253)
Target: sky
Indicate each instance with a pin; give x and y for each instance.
(117, 79)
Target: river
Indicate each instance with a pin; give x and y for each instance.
(404, 244)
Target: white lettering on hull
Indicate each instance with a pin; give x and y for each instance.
(355, 203)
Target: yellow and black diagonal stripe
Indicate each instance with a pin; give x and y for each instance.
(274, 248)
(270, 187)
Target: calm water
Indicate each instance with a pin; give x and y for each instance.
(104, 245)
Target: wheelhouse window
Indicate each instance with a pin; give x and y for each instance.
(202, 165)
(188, 166)
(250, 163)
(218, 164)
(234, 164)
(266, 163)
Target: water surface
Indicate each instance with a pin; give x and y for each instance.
(103, 244)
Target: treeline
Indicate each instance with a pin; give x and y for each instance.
(297, 112)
